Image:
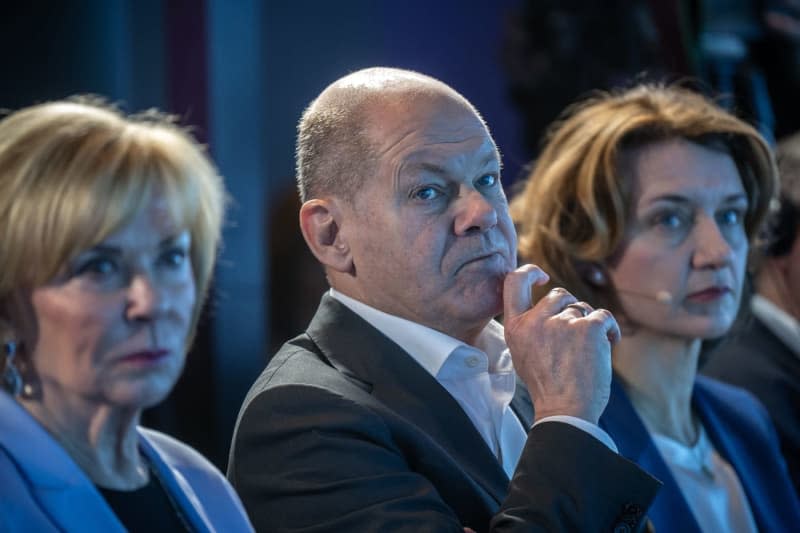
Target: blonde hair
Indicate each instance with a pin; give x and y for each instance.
(73, 172)
(575, 205)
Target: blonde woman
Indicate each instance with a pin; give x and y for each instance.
(109, 227)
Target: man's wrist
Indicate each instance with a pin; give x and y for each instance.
(592, 429)
(568, 411)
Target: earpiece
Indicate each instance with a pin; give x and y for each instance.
(593, 273)
(596, 276)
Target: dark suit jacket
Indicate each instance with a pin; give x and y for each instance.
(742, 434)
(344, 431)
(755, 359)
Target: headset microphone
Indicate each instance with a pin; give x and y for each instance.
(596, 276)
(662, 296)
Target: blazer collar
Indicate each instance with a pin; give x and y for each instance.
(622, 422)
(175, 484)
(65, 492)
(724, 417)
(60, 487)
(362, 352)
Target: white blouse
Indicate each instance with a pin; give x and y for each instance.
(709, 484)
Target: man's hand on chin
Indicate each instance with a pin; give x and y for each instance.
(561, 347)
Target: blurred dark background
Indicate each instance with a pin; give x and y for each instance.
(240, 72)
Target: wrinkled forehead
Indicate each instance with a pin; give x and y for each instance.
(459, 157)
(426, 125)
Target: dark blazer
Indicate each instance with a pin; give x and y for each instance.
(344, 431)
(42, 489)
(755, 359)
(742, 434)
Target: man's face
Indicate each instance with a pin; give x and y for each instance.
(429, 231)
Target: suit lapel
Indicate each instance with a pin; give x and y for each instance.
(357, 349)
(623, 424)
(721, 418)
(178, 488)
(60, 487)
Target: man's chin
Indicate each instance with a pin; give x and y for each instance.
(486, 304)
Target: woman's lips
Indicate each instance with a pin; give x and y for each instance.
(145, 356)
(710, 294)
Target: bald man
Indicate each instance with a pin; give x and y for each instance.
(404, 406)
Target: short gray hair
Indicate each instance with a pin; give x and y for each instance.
(334, 151)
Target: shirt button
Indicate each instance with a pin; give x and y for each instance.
(473, 361)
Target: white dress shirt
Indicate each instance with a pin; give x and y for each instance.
(480, 378)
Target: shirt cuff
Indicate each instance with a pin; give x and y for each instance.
(592, 429)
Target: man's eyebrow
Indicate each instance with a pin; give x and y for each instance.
(433, 168)
(491, 157)
(428, 167)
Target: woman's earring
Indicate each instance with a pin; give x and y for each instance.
(12, 379)
(596, 276)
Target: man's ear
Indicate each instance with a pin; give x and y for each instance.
(320, 222)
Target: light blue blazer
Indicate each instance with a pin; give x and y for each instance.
(42, 489)
(741, 432)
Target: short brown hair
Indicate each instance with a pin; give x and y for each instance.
(575, 205)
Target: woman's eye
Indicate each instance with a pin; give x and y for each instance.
(174, 257)
(98, 267)
(426, 193)
(670, 220)
(489, 180)
(731, 217)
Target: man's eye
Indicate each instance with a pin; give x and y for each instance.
(489, 180)
(671, 221)
(426, 193)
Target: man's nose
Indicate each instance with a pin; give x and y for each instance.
(712, 247)
(145, 300)
(475, 213)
